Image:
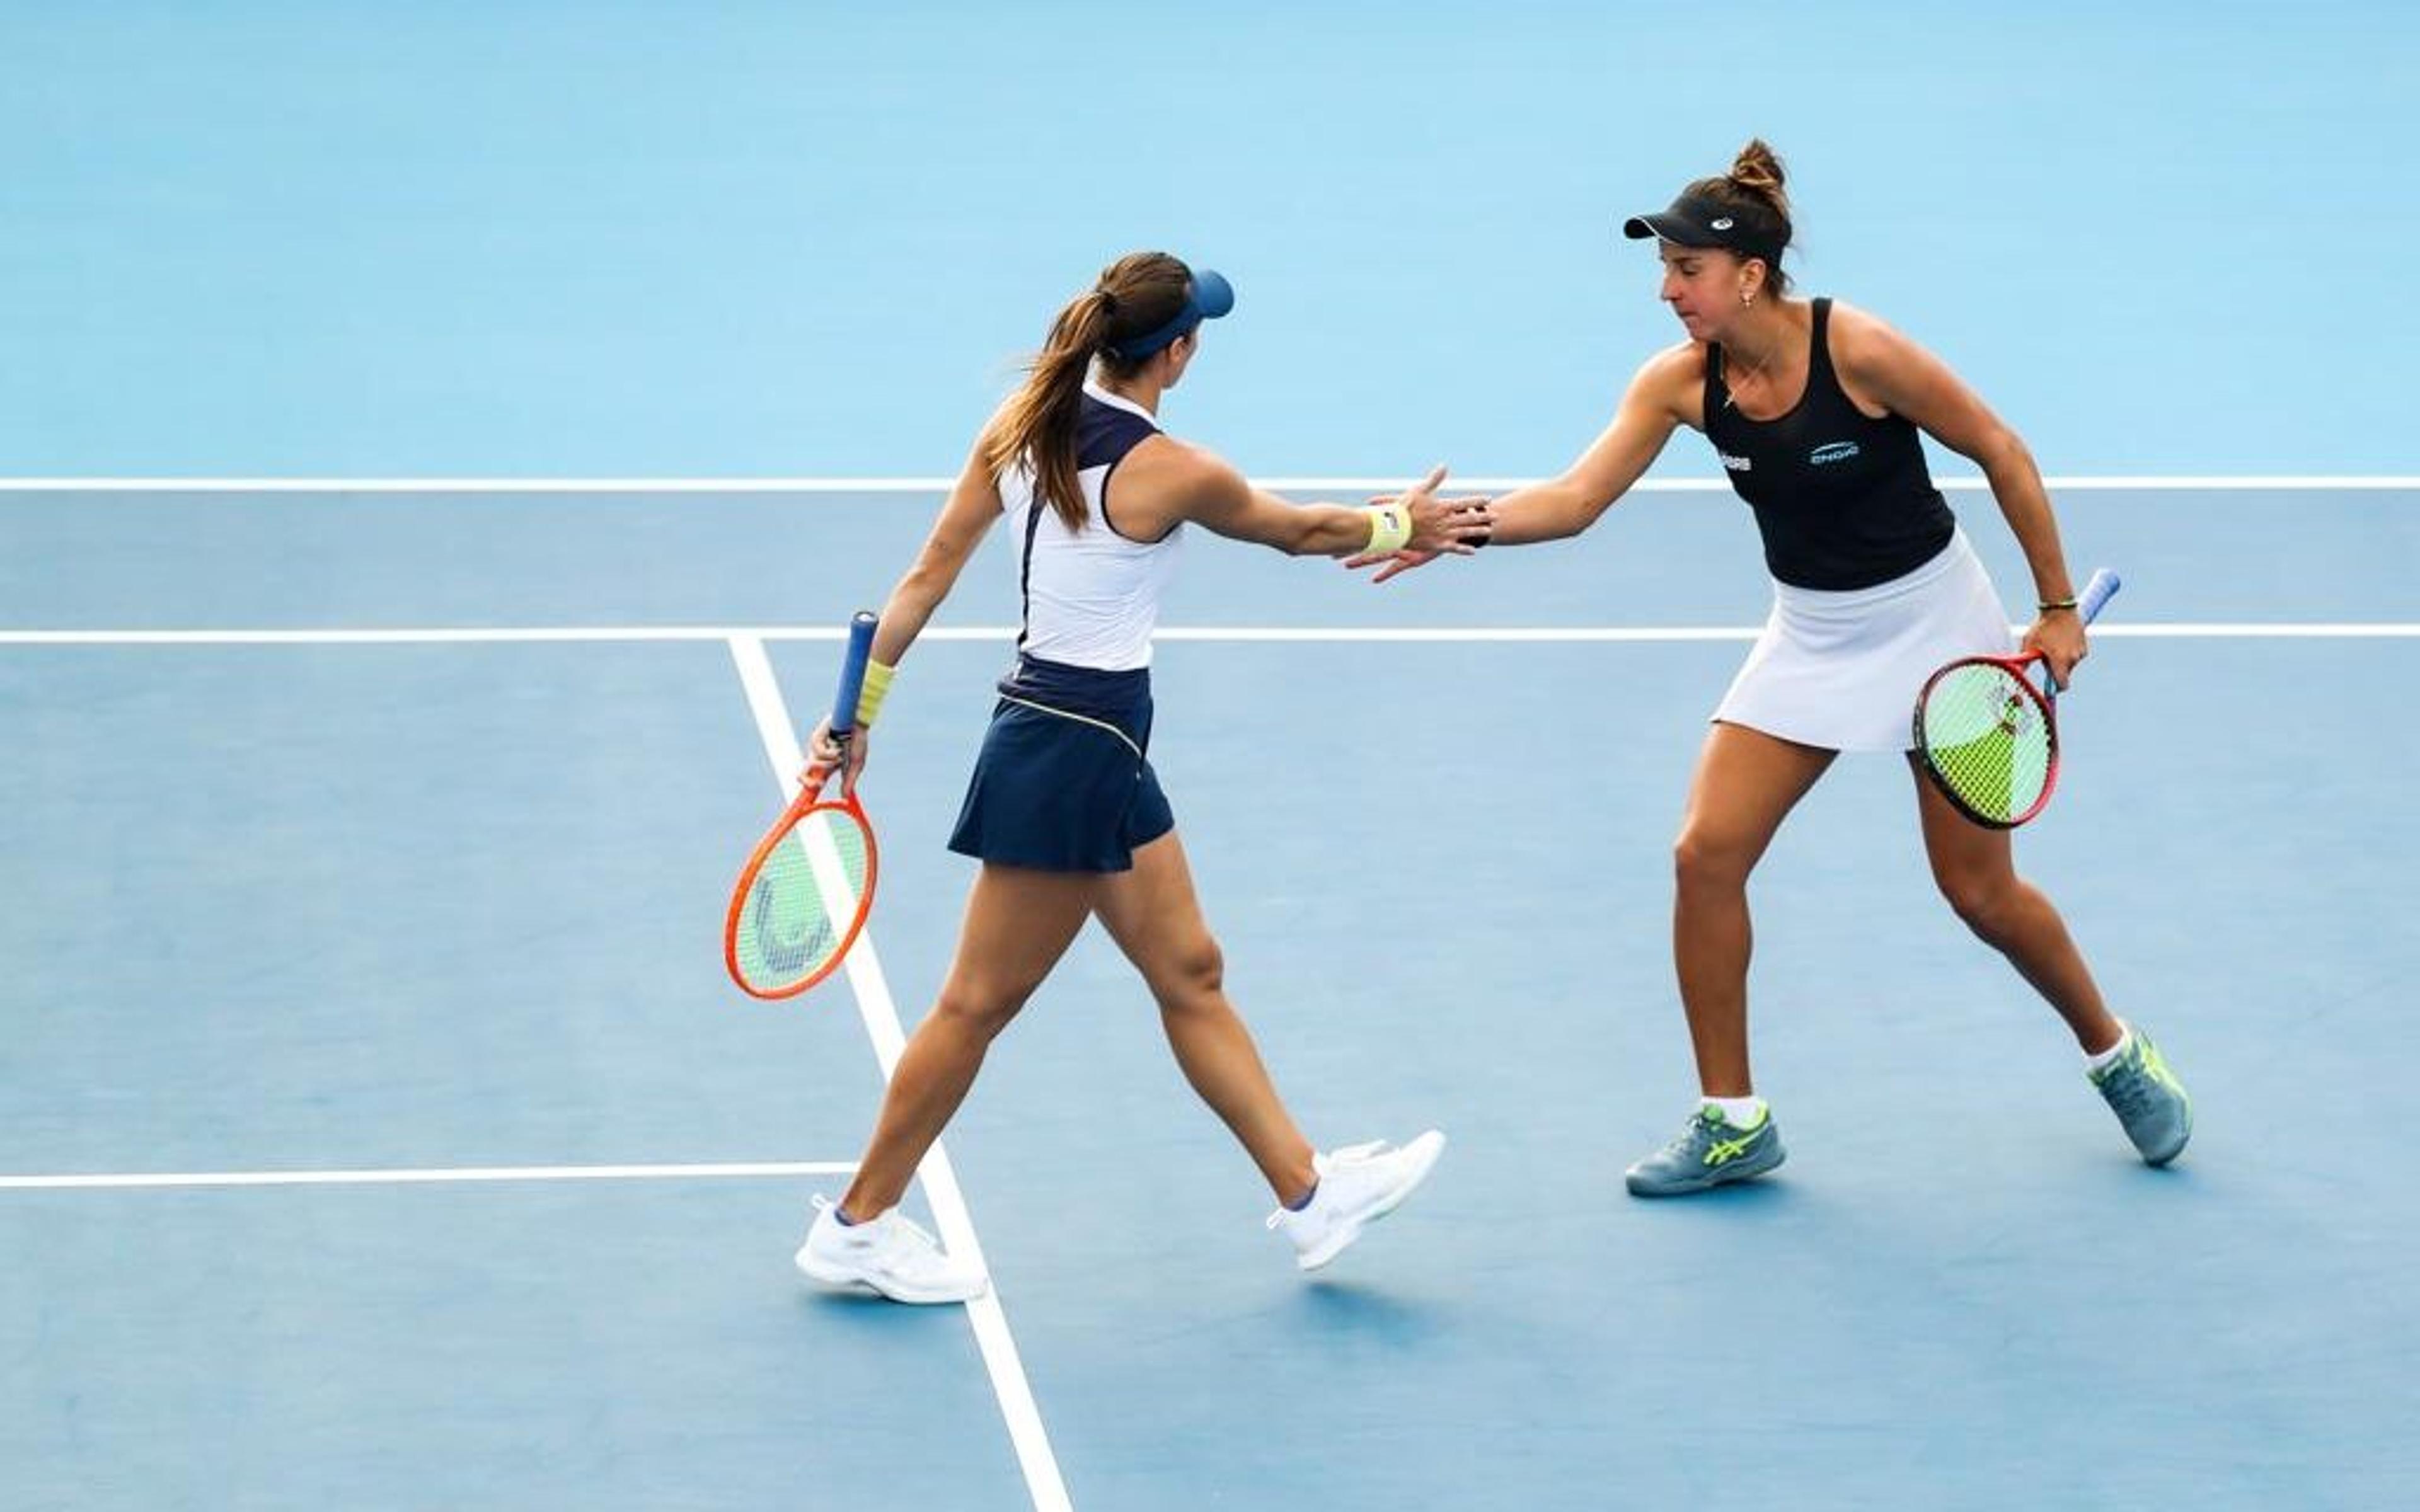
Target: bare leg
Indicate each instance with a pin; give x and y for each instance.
(1977, 871)
(1153, 916)
(1747, 783)
(1018, 923)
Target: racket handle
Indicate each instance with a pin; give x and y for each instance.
(2097, 592)
(852, 673)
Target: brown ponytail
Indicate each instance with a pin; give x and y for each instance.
(1137, 294)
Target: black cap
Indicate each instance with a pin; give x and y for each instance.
(1701, 220)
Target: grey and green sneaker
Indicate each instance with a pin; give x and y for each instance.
(1708, 1151)
(2147, 1099)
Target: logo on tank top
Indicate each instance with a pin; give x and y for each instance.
(1832, 452)
(1737, 464)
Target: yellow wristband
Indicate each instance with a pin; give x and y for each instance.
(870, 696)
(1391, 526)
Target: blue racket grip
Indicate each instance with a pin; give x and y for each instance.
(852, 674)
(2098, 592)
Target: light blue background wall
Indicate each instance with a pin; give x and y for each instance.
(746, 238)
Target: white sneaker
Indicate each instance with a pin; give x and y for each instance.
(1358, 1185)
(889, 1254)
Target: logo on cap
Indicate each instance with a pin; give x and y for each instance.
(1723, 224)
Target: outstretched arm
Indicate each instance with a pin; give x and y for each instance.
(1207, 491)
(1569, 502)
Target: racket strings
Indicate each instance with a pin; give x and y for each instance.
(1984, 733)
(803, 902)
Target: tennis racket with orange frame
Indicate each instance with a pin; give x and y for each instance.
(802, 898)
(1989, 734)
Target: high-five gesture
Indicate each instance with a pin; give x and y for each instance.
(1439, 527)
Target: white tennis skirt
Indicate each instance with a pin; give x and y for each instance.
(1842, 671)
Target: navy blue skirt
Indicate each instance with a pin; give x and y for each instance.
(1064, 783)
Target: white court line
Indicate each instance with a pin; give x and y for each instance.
(2386, 631)
(881, 1016)
(1213, 634)
(430, 1176)
(2079, 483)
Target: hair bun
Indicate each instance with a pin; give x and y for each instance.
(1757, 171)
(1756, 167)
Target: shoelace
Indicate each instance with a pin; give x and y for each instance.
(2129, 1092)
(1690, 1133)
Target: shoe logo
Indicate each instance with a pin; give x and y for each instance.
(1724, 1151)
(1832, 452)
(1737, 464)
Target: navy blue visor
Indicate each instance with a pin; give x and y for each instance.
(1208, 298)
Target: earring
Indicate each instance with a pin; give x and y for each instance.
(1746, 298)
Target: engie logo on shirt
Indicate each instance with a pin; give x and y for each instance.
(1832, 452)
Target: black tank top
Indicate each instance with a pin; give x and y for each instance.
(1842, 500)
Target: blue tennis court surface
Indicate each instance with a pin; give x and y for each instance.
(374, 884)
(381, 1130)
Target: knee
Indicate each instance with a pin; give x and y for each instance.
(1703, 857)
(1984, 900)
(979, 1007)
(1194, 972)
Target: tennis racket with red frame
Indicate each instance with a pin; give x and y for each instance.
(1989, 733)
(803, 896)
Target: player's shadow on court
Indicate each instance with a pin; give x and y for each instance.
(2174, 1180)
(1766, 1196)
(1340, 1309)
(856, 1311)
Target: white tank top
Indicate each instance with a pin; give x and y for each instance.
(1091, 596)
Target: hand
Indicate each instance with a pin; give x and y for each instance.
(2058, 635)
(1396, 561)
(1443, 525)
(1440, 527)
(825, 754)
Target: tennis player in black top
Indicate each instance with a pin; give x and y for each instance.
(1815, 409)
